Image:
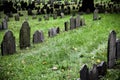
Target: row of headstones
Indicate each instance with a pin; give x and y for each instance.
(113, 49)
(8, 45)
(97, 72)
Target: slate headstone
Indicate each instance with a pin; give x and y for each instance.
(118, 49)
(4, 24)
(93, 74)
(84, 73)
(102, 68)
(8, 44)
(61, 15)
(30, 12)
(66, 26)
(24, 35)
(72, 23)
(17, 17)
(95, 14)
(38, 37)
(111, 49)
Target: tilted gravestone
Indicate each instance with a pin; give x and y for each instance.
(84, 73)
(118, 49)
(66, 26)
(102, 68)
(78, 21)
(17, 17)
(93, 74)
(38, 37)
(111, 49)
(8, 44)
(24, 35)
(72, 23)
(4, 24)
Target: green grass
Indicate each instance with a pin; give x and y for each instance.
(67, 51)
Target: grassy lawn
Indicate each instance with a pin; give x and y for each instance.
(66, 52)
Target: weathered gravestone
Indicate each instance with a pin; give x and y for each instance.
(38, 37)
(102, 68)
(46, 17)
(52, 32)
(39, 19)
(30, 12)
(72, 23)
(7, 18)
(8, 44)
(118, 49)
(95, 14)
(4, 24)
(82, 22)
(93, 74)
(66, 26)
(17, 17)
(61, 15)
(57, 30)
(54, 16)
(78, 21)
(84, 73)
(0, 27)
(111, 49)
(24, 35)
(34, 17)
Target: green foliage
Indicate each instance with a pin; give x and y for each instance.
(67, 51)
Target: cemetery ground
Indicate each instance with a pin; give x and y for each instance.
(60, 57)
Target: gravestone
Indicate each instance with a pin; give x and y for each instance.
(24, 35)
(0, 27)
(72, 23)
(82, 22)
(57, 30)
(78, 21)
(4, 24)
(30, 12)
(118, 49)
(8, 44)
(6, 17)
(54, 16)
(17, 17)
(84, 73)
(61, 15)
(111, 49)
(46, 17)
(39, 19)
(95, 15)
(34, 17)
(93, 74)
(66, 26)
(38, 37)
(102, 68)
(52, 32)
